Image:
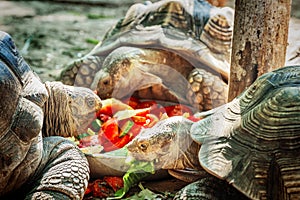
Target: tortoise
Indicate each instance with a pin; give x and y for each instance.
(36, 162)
(170, 50)
(250, 144)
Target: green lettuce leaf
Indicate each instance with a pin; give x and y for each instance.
(144, 194)
(136, 172)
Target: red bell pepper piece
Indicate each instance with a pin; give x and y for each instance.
(103, 117)
(158, 111)
(111, 130)
(101, 189)
(114, 182)
(108, 146)
(89, 189)
(135, 130)
(177, 110)
(132, 102)
(193, 118)
(143, 113)
(121, 142)
(146, 104)
(111, 106)
(139, 120)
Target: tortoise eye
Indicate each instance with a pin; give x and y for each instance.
(143, 146)
(90, 102)
(105, 81)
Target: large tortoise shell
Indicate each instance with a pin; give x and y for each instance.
(195, 30)
(21, 116)
(253, 142)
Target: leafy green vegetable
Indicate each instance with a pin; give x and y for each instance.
(96, 125)
(82, 135)
(145, 194)
(126, 128)
(91, 132)
(136, 172)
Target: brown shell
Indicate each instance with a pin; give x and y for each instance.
(254, 141)
(21, 117)
(169, 25)
(217, 33)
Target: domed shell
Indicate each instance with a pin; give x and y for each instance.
(21, 116)
(254, 141)
(170, 25)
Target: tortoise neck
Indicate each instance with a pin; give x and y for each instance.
(183, 156)
(189, 158)
(58, 120)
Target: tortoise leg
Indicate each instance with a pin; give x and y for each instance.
(63, 173)
(209, 188)
(206, 89)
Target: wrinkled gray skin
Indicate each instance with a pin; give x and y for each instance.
(168, 143)
(32, 165)
(171, 147)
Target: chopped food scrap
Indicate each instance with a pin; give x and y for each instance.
(118, 122)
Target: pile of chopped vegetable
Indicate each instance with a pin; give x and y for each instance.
(106, 187)
(117, 123)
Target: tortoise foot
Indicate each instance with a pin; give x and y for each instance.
(63, 173)
(206, 89)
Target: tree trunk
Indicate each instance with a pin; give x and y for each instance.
(259, 41)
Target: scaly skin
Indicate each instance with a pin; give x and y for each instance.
(62, 174)
(168, 143)
(68, 110)
(64, 171)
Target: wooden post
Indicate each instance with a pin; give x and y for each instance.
(259, 41)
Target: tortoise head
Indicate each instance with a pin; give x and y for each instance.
(167, 143)
(117, 73)
(69, 110)
(104, 81)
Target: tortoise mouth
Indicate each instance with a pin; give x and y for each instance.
(156, 92)
(152, 93)
(162, 101)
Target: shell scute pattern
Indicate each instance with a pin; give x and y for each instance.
(262, 140)
(174, 26)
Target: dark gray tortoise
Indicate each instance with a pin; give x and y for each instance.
(35, 162)
(247, 148)
(169, 50)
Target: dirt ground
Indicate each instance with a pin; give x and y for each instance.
(50, 34)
